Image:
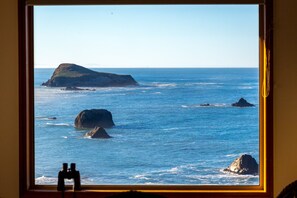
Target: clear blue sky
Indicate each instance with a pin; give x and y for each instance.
(147, 36)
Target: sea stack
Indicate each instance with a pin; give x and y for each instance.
(244, 165)
(242, 103)
(72, 75)
(98, 132)
(88, 119)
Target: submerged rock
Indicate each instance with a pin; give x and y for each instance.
(71, 75)
(76, 89)
(205, 105)
(72, 89)
(242, 103)
(98, 132)
(244, 165)
(94, 117)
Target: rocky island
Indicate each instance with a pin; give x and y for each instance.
(98, 132)
(244, 165)
(72, 75)
(92, 118)
(242, 103)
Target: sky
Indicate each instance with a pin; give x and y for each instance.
(147, 36)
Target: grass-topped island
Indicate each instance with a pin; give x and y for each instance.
(72, 75)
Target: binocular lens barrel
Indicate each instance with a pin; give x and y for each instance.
(65, 166)
(72, 166)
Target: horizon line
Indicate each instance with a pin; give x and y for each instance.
(187, 67)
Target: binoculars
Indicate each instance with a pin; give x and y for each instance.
(68, 173)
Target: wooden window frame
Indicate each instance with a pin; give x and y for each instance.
(26, 110)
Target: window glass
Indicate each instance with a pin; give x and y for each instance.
(175, 101)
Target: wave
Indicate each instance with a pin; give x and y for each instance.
(45, 180)
(58, 124)
(173, 170)
(176, 170)
(158, 84)
(234, 155)
(225, 178)
(203, 83)
(141, 176)
(193, 171)
(206, 105)
(218, 105)
(157, 92)
(177, 128)
(246, 87)
(171, 129)
(228, 174)
(45, 118)
(153, 176)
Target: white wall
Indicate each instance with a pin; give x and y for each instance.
(285, 107)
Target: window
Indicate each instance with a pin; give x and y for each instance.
(37, 151)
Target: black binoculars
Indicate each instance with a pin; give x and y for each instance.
(68, 173)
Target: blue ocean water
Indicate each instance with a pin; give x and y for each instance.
(162, 134)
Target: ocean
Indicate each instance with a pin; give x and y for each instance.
(162, 134)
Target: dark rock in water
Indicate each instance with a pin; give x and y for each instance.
(92, 118)
(244, 165)
(71, 75)
(76, 89)
(205, 105)
(72, 89)
(98, 132)
(242, 103)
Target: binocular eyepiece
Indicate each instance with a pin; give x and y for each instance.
(68, 173)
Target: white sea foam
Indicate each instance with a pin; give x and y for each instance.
(218, 105)
(171, 129)
(141, 176)
(174, 170)
(234, 155)
(206, 105)
(157, 84)
(228, 174)
(150, 183)
(246, 87)
(58, 124)
(44, 118)
(196, 173)
(157, 176)
(44, 180)
(203, 83)
(224, 178)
